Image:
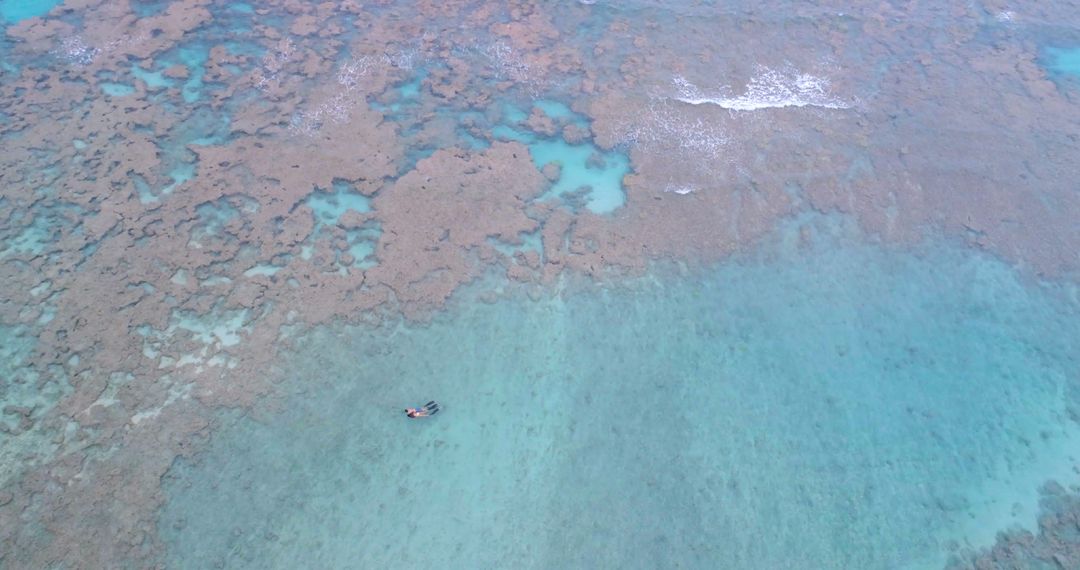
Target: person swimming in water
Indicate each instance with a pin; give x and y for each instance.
(430, 409)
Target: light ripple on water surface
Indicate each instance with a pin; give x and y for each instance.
(841, 407)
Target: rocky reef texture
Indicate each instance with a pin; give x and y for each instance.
(444, 213)
(1055, 546)
(158, 246)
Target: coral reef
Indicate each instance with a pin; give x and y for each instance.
(1056, 544)
(158, 250)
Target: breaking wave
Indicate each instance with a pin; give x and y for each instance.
(769, 89)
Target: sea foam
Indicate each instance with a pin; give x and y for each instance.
(681, 190)
(663, 126)
(768, 89)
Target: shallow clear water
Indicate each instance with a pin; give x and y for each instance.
(1065, 61)
(329, 206)
(12, 11)
(584, 168)
(839, 406)
(694, 360)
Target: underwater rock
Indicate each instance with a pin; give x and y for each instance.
(1054, 545)
(475, 196)
(540, 123)
(575, 134)
(552, 171)
(178, 71)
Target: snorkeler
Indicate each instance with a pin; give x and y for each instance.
(430, 409)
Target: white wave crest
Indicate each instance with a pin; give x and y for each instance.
(681, 190)
(75, 51)
(769, 89)
(663, 128)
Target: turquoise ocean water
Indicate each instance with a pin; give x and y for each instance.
(860, 380)
(842, 405)
(12, 11)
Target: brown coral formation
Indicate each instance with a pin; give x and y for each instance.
(443, 214)
(143, 288)
(1054, 545)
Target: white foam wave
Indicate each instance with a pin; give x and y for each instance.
(680, 190)
(336, 109)
(75, 51)
(351, 72)
(769, 89)
(506, 62)
(664, 128)
(272, 63)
